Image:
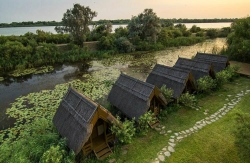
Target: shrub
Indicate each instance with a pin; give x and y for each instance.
(205, 84)
(212, 33)
(106, 43)
(200, 34)
(242, 135)
(123, 45)
(188, 100)
(167, 93)
(144, 121)
(124, 131)
(226, 75)
(53, 154)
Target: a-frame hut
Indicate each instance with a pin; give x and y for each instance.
(199, 69)
(85, 124)
(134, 97)
(220, 62)
(178, 80)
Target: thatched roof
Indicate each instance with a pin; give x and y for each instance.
(199, 69)
(174, 78)
(132, 96)
(73, 117)
(220, 62)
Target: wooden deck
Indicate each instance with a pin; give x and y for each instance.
(244, 67)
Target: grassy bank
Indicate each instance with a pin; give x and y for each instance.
(213, 143)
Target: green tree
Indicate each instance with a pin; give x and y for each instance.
(75, 21)
(146, 24)
(239, 40)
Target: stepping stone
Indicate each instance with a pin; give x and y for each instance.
(227, 99)
(208, 122)
(167, 154)
(179, 137)
(183, 132)
(195, 128)
(169, 131)
(172, 137)
(191, 129)
(220, 116)
(171, 149)
(156, 161)
(164, 149)
(176, 134)
(229, 95)
(163, 132)
(223, 113)
(112, 160)
(187, 131)
(161, 158)
(171, 144)
(200, 127)
(157, 129)
(163, 127)
(171, 140)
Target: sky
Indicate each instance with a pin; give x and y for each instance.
(49, 10)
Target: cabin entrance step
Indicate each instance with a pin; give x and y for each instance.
(155, 123)
(102, 151)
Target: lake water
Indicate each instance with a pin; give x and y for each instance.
(22, 30)
(137, 66)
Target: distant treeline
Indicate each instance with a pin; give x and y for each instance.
(118, 21)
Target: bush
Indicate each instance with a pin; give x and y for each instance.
(226, 75)
(200, 34)
(144, 121)
(242, 135)
(212, 33)
(188, 100)
(106, 43)
(123, 45)
(205, 84)
(167, 93)
(124, 131)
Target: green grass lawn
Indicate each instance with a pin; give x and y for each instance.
(213, 143)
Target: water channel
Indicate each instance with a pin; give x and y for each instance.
(138, 66)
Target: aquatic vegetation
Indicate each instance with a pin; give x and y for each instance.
(43, 104)
(1, 78)
(39, 70)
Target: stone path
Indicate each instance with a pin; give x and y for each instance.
(179, 136)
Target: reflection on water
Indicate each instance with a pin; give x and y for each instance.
(138, 66)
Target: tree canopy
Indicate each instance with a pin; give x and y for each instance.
(239, 40)
(75, 21)
(146, 24)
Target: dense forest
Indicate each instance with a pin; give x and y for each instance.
(114, 22)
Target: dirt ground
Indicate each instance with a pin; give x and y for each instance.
(244, 67)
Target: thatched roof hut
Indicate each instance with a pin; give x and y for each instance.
(220, 62)
(84, 124)
(134, 97)
(178, 80)
(199, 69)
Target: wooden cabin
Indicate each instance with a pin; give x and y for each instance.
(179, 80)
(134, 97)
(85, 124)
(199, 69)
(220, 62)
